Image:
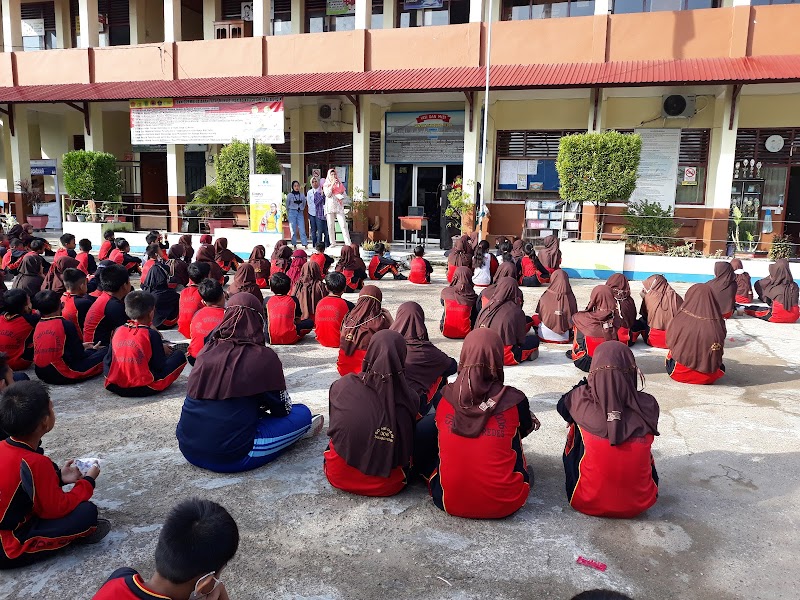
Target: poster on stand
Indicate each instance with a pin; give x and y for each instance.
(425, 137)
(266, 203)
(658, 166)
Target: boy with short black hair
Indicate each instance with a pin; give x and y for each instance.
(153, 252)
(421, 269)
(323, 260)
(108, 311)
(67, 248)
(76, 301)
(107, 246)
(59, 355)
(331, 311)
(283, 313)
(12, 259)
(16, 329)
(155, 238)
(86, 261)
(121, 255)
(207, 318)
(138, 362)
(381, 265)
(197, 540)
(191, 301)
(34, 526)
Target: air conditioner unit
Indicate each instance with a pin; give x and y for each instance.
(329, 111)
(676, 106)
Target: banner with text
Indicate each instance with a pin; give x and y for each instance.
(425, 137)
(657, 179)
(266, 203)
(206, 120)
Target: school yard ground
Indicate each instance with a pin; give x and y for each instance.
(725, 525)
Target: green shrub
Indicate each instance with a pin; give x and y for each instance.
(209, 202)
(92, 176)
(649, 223)
(233, 167)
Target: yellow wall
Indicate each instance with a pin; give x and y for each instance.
(116, 133)
(769, 111)
(570, 113)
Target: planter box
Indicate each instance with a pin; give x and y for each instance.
(38, 221)
(592, 260)
(689, 270)
(214, 224)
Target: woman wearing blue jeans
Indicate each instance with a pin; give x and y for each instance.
(316, 214)
(296, 205)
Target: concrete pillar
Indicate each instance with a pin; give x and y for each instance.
(363, 14)
(20, 160)
(597, 110)
(136, 16)
(387, 179)
(361, 171)
(176, 184)
(602, 7)
(296, 141)
(63, 26)
(298, 16)
(12, 26)
(212, 11)
(262, 14)
(389, 14)
(476, 10)
(473, 145)
(172, 20)
(719, 178)
(94, 137)
(88, 25)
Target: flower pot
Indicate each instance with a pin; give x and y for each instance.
(81, 218)
(219, 223)
(366, 255)
(38, 221)
(72, 217)
(287, 232)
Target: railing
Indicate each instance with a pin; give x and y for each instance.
(131, 172)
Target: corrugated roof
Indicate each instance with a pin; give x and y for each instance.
(761, 69)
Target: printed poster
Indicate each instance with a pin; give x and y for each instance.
(266, 203)
(658, 166)
(435, 137)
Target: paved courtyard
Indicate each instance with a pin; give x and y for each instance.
(725, 525)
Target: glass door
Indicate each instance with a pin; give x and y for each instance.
(428, 183)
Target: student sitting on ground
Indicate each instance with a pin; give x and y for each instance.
(494, 264)
(427, 367)
(12, 259)
(16, 329)
(282, 259)
(481, 268)
(331, 311)
(533, 272)
(207, 318)
(284, 325)
(205, 255)
(155, 238)
(7, 378)
(261, 266)
(108, 311)
(226, 259)
(508, 270)
(75, 301)
(723, 286)
(421, 269)
(624, 308)
(190, 300)
(121, 255)
(59, 355)
(517, 253)
(550, 256)
(309, 289)
(167, 299)
(107, 246)
(744, 285)
(350, 265)
(245, 281)
(660, 303)
(781, 293)
(153, 252)
(299, 259)
(240, 419)
(460, 305)
(504, 316)
(323, 260)
(39, 517)
(188, 252)
(31, 274)
(86, 261)
(460, 256)
(475, 466)
(554, 312)
(380, 265)
(197, 540)
(138, 362)
(177, 268)
(696, 338)
(372, 422)
(365, 319)
(591, 329)
(54, 280)
(607, 460)
(67, 248)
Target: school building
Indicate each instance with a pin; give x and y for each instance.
(360, 82)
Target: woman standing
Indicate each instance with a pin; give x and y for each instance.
(315, 198)
(296, 205)
(334, 206)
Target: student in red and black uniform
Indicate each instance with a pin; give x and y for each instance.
(380, 265)
(38, 516)
(781, 293)
(331, 311)
(660, 303)
(12, 259)
(591, 329)
(624, 309)
(460, 305)
(261, 266)
(54, 280)
(351, 266)
(153, 252)
(31, 274)
(533, 272)
(75, 301)
(744, 285)
(494, 264)
(167, 299)
(549, 257)
(207, 318)
(284, 325)
(86, 261)
(421, 269)
(121, 255)
(198, 539)
(154, 237)
(696, 338)
(108, 311)
(504, 316)
(724, 287)
(138, 362)
(205, 254)
(67, 248)
(460, 256)
(359, 325)
(16, 329)
(190, 301)
(507, 269)
(281, 258)
(323, 260)
(107, 246)
(245, 281)
(224, 257)
(59, 355)
(309, 290)
(553, 318)
(607, 460)
(177, 267)
(372, 422)
(299, 260)
(474, 465)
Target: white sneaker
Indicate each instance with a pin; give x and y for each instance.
(317, 421)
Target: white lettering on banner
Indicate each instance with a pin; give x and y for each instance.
(206, 120)
(425, 137)
(658, 166)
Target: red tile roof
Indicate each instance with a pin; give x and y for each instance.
(761, 69)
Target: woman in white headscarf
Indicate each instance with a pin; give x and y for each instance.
(334, 206)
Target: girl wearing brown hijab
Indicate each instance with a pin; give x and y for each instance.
(427, 367)
(744, 286)
(281, 261)
(261, 266)
(245, 282)
(30, 276)
(178, 267)
(54, 280)
(781, 293)
(460, 305)
(504, 316)
(593, 326)
(550, 255)
(205, 254)
(226, 259)
(624, 309)
(372, 417)
(659, 304)
(696, 338)
(299, 259)
(188, 251)
(276, 250)
(352, 267)
(460, 256)
(365, 319)
(309, 289)
(480, 471)
(555, 309)
(506, 269)
(238, 419)
(607, 460)
(723, 286)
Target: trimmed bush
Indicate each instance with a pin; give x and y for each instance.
(92, 176)
(233, 167)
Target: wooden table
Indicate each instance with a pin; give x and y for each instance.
(414, 225)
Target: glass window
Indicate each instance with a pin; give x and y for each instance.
(520, 10)
(343, 23)
(691, 194)
(628, 6)
(436, 17)
(282, 26)
(774, 184)
(377, 21)
(663, 5)
(316, 24)
(31, 43)
(581, 8)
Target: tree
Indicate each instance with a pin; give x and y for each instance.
(598, 168)
(92, 176)
(233, 167)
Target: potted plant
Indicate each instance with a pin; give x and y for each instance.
(92, 177)
(82, 213)
(367, 250)
(744, 233)
(111, 210)
(34, 198)
(358, 211)
(211, 205)
(70, 212)
(461, 209)
(649, 227)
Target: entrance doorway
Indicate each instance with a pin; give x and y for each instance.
(792, 221)
(421, 186)
(194, 172)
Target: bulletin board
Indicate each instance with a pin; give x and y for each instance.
(527, 175)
